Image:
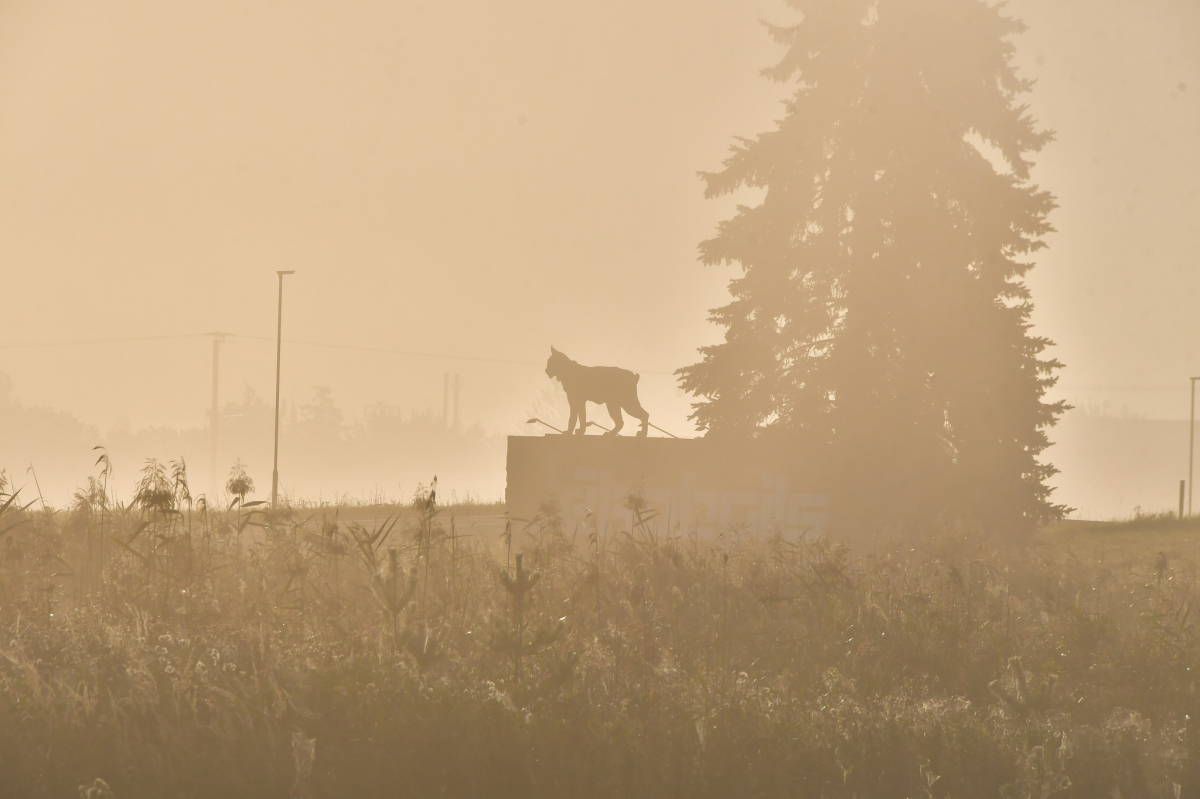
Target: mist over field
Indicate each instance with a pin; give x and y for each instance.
(784, 398)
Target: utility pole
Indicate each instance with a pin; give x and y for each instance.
(457, 386)
(1191, 444)
(278, 361)
(215, 420)
(445, 399)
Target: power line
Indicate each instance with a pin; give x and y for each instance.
(1122, 388)
(414, 353)
(127, 339)
(66, 342)
(443, 356)
(325, 344)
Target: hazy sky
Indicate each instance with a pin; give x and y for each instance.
(488, 179)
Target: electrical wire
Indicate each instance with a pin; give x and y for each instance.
(66, 342)
(385, 350)
(328, 345)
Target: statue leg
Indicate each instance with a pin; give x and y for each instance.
(582, 431)
(614, 410)
(639, 413)
(571, 423)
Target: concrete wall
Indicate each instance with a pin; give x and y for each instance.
(693, 484)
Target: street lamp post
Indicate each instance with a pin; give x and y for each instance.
(214, 424)
(278, 361)
(1191, 443)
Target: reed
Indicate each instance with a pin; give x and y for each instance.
(239, 652)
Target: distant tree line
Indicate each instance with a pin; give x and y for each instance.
(381, 451)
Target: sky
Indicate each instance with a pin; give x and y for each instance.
(487, 180)
(1117, 289)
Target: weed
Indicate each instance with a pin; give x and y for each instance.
(238, 652)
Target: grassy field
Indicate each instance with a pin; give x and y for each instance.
(159, 649)
(1124, 544)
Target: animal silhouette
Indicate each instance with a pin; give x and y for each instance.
(614, 388)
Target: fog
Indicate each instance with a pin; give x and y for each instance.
(460, 186)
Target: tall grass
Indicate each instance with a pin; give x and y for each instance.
(252, 653)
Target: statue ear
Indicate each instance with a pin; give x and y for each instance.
(554, 351)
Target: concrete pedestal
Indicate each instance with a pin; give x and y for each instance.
(694, 485)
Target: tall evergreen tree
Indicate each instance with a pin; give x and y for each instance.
(880, 314)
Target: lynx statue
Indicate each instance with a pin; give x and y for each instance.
(605, 385)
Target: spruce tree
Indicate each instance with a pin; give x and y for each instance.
(880, 321)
